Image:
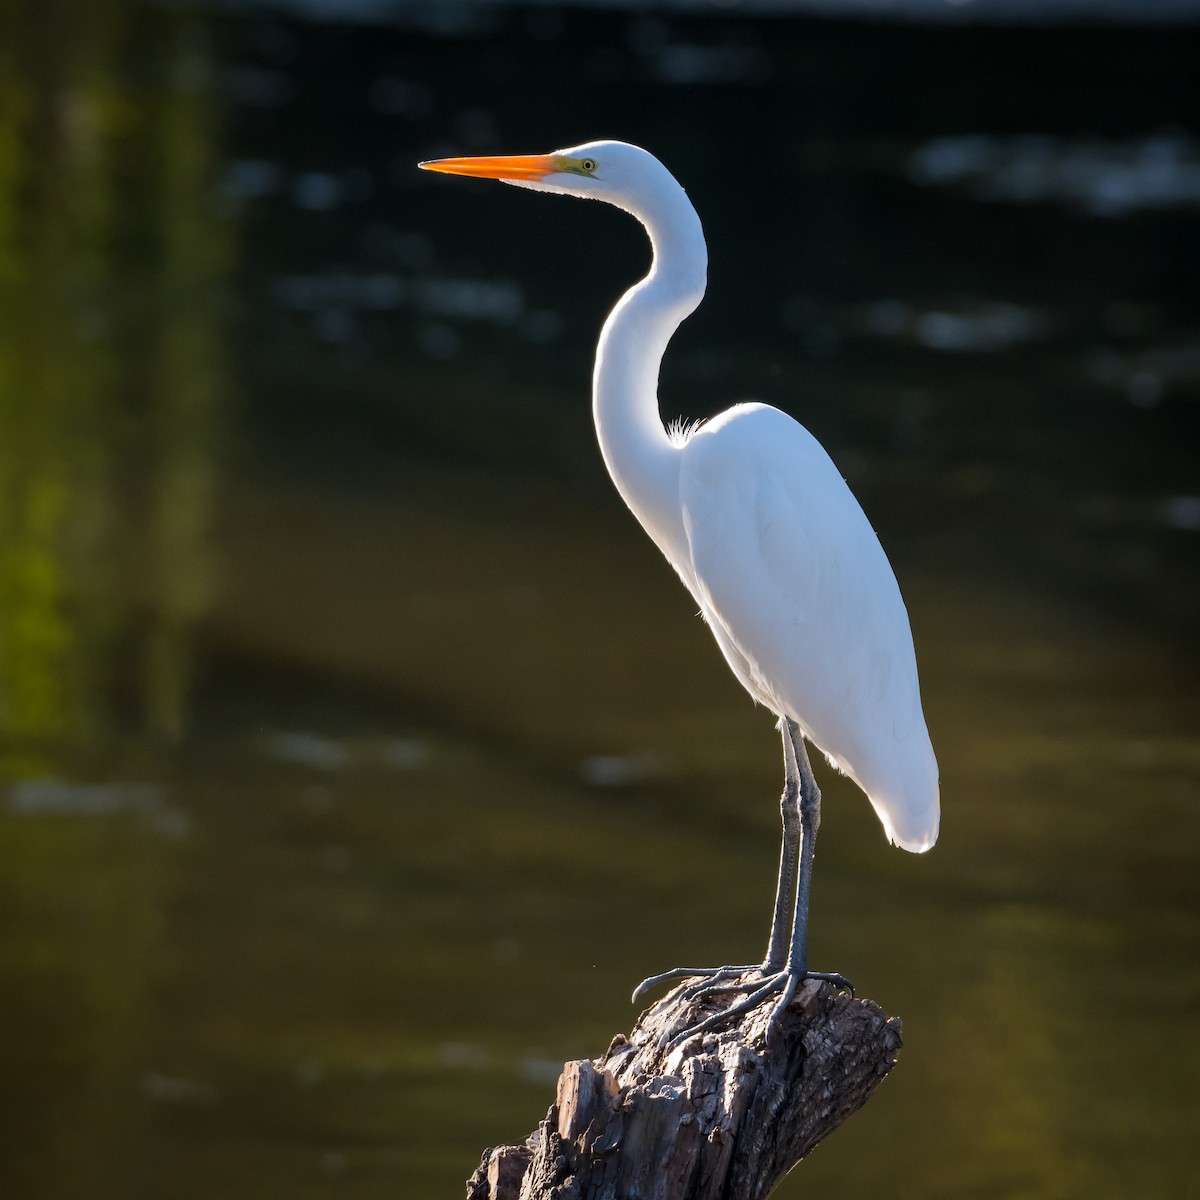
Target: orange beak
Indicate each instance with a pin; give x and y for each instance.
(505, 166)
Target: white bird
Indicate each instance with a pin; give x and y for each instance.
(762, 529)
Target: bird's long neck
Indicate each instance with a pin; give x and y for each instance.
(638, 451)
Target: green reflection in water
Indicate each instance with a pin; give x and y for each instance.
(110, 370)
(111, 381)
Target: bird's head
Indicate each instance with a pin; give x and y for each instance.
(621, 174)
(624, 175)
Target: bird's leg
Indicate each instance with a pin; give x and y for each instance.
(809, 813)
(789, 807)
(810, 821)
(786, 980)
(800, 806)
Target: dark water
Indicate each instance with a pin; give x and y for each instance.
(359, 755)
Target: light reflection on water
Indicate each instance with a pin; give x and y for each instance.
(359, 755)
(1108, 179)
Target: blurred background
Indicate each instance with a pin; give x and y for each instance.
(358, 753)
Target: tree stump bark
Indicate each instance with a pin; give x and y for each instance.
(721, 1117)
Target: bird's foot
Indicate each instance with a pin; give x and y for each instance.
(712, 976)
(718, 985)
(767, 983)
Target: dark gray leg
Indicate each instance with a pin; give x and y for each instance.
(789, 808)
(810, 821)
(809, 817)
(800, 806)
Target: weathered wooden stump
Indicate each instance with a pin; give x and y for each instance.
(721, 1117)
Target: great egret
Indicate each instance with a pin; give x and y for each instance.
(762, 529)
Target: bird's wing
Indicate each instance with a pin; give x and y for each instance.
(805, 606)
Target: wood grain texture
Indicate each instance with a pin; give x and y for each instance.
(722, 1116)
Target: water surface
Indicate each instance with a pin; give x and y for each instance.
(360, 754)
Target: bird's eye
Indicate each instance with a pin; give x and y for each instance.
(588, 164)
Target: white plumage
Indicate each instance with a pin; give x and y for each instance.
(803, 603)
(762, 529)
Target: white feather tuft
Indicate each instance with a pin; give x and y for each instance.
(681, 431)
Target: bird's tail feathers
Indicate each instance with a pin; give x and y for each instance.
(912, 827)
